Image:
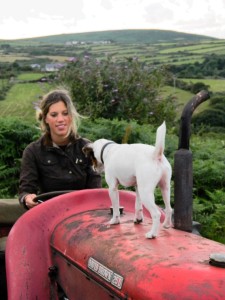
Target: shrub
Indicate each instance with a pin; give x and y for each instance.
(14, 137)
(210, 213)
(213, 117)
(126, 90)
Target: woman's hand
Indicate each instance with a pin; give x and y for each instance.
(29, 201)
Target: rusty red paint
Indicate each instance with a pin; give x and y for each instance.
(69, 229)
(176, 263)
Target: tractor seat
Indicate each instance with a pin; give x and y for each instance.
(10, 211)
(2, 244)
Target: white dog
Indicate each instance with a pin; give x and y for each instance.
(139, 165)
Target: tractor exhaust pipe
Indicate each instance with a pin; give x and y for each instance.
(183, 174)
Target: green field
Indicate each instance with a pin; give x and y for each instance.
(30, 76)
(215, 85)
(153, 46)
(20, 100)
(22, 96)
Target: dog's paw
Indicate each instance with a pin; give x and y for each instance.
(167, 223)
(150, 235)
(138, 217)
(138, 221)
(114, 221)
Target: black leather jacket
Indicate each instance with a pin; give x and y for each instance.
(47, 168)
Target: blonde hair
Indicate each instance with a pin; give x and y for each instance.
(51, 98)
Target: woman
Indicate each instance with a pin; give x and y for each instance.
(55, 162)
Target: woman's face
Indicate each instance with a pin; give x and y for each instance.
(59, 121)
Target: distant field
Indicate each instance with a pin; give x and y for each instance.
(20, 100)
(181, 98)
(170, 52)
(215, 85)
(30, 76)
(59, 58)
(202, 47)
(12, 57)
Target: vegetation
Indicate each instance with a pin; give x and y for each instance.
(128, 90)
(209, 176)
(213, 117)
(151, 46)
(21, 99)
(209, 184)
(118, 36)
(213, 65)
(15, 135)
(134, 85)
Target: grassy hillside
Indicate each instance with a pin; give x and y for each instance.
(148, 46)
(120, 36)
(153, 47)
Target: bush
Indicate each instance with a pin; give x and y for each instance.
(120, 131)
(126, 90)
(14, 137)
(213, 117)
(209, 184)
(210, 214)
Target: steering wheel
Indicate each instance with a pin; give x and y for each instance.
(46, 196)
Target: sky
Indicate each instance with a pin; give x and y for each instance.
(33, 18)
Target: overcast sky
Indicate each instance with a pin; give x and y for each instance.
(32, 18)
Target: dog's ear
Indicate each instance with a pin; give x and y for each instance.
(89, 153)
(88, 150)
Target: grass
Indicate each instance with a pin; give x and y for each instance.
(20, 100)
(193, 49)
(12, 58)
(30, 76)
(215, 85)
(181, 98)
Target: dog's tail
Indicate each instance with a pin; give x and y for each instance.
(160, 141)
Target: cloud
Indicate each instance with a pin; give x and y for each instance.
(203, 17)
(157, 13)
(30, 19)
(27, 18)
(24, 9)
(107, 4)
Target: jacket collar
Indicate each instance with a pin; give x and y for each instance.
(47, 141)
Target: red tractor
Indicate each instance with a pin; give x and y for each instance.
(65, 249)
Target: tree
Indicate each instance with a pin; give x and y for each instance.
(124, 90)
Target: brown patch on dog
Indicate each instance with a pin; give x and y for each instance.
(89, 153)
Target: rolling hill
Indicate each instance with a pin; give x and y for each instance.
(147, 36)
